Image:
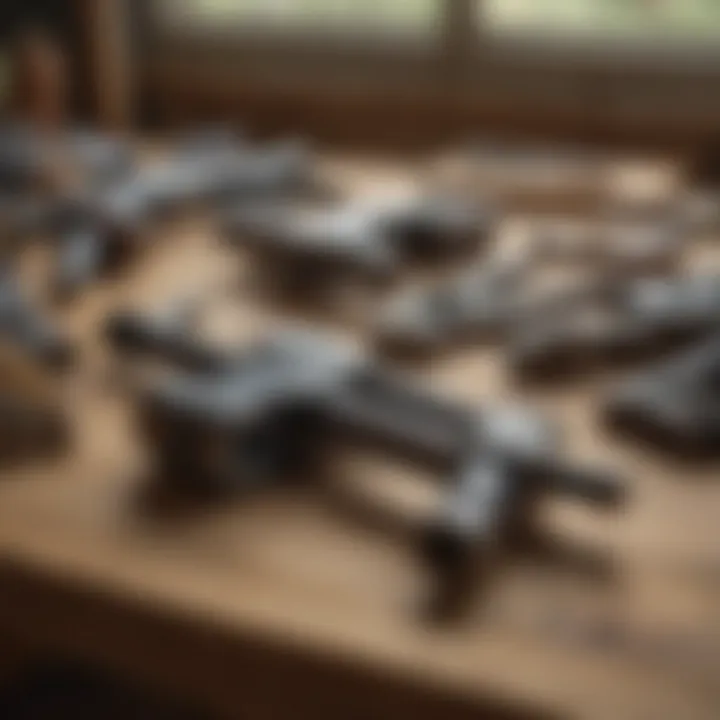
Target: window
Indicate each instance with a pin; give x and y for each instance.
(686, 22)
(401, 16)
(659, 19)
(599, 65)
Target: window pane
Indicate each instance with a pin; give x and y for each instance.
(653, 18)
(400, 15)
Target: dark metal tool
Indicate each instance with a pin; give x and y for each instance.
(30, 161)
(259, 417)
(25, 328)
(618, 323)
(102, 226)
(674, 406)
(21, 159)
(478, 303)
(369, 240)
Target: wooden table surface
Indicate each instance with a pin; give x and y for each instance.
(285, 604)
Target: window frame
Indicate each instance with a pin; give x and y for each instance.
(302, 40)
(465, 64)
(459, 24)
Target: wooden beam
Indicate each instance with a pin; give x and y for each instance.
(109, 57)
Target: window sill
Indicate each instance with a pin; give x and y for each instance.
(672, 56)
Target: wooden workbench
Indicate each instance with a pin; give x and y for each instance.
(283, 604)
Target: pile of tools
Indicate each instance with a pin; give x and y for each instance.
(231, 421)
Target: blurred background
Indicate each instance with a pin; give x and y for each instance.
(391, 77)
(403, 73)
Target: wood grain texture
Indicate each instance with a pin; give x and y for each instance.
(109, 60)
(286, 605)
